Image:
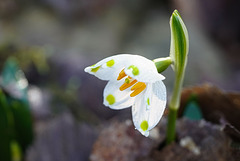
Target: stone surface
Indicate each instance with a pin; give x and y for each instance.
(215, 104)
(119, 141)
(213, 143)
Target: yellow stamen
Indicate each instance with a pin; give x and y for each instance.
(127, 85)
(121, 75)
(137, 85)
(138, 90)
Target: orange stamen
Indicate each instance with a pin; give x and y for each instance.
(138, 90)
(137, 85)
(127, 85)
(121, 75)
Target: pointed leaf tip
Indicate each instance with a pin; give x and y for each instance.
(179, 43)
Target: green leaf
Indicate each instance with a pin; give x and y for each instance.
(179, 43)
(22, 121)
(19, 117)
(6, 130)
(178, 52)
(15, 151)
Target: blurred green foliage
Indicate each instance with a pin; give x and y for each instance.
(26, 56)
(16, 130)
(192, 111)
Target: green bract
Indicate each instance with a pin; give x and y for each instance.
(179, 43)
(178, 53)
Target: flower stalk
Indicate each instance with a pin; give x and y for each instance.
(178, 53)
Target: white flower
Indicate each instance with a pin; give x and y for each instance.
(133, 81)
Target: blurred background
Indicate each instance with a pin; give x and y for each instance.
(52, 109)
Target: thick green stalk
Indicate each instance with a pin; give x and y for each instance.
(173, 109)
(172, 117)
(178, 52)
(175, 100)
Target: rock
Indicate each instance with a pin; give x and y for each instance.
(119, 141)
(215, 104)
(209, 139)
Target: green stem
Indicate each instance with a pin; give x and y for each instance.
(171, 128)
(173, 109)
(175, 100)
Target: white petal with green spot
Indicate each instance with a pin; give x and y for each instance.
(122, 99)
(144, 125)
(110, 63)
(153, 113)
(111, 99)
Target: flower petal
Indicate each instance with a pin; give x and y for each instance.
(116, 99)
(148, 107)
(157, 104)
(108, 68)
(137, 67)
(142, 69)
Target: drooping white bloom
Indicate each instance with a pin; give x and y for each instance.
(133, 81)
